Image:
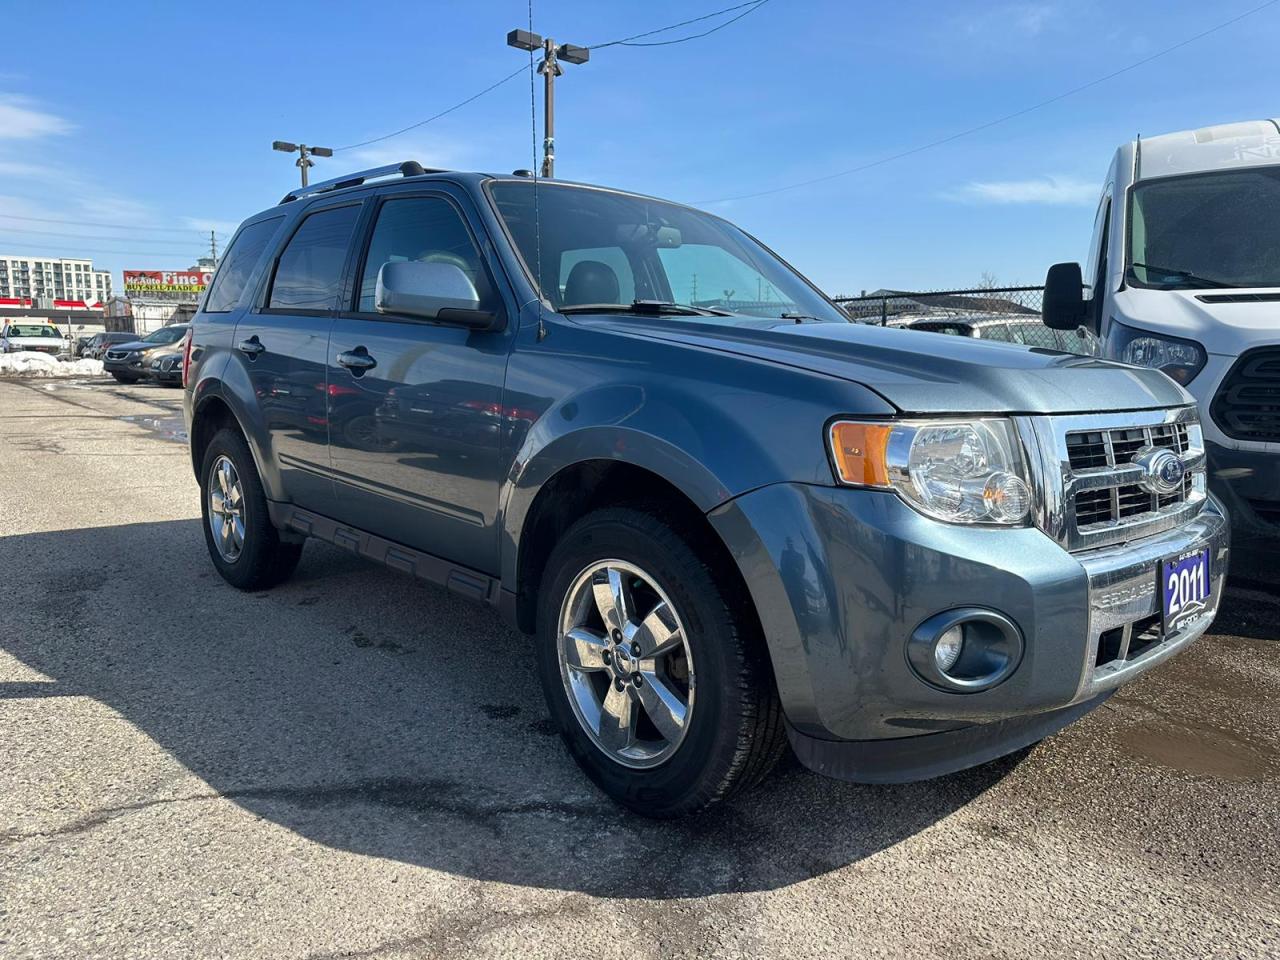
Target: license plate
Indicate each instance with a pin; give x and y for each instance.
(1185, 586)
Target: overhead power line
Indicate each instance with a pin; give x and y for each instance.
(999, 120)
(630, 41)
(746, 8)
(423, 123)
(93, 223)
(63, 247)
(72, 237)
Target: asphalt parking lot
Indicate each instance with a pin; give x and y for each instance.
(359, 765)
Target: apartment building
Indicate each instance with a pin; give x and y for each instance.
(53, 278)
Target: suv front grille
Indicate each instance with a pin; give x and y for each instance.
(1094, 491)
(117, 354)
(1100, 449)
(1247, 406)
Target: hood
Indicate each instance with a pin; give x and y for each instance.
(1224, 321)
(922, 372)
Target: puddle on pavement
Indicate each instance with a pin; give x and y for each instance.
(1207, 751)
(167, 428)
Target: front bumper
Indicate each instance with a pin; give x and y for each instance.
(135, 367)
(1248, 482)
(841, 577)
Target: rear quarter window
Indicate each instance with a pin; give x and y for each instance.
(238, 265)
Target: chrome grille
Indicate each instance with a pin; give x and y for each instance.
(1091, 490)
(117, 354)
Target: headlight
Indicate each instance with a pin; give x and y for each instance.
(960, 471)
(1178, 359)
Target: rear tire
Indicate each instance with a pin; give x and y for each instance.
(718, 684)
(244, 546)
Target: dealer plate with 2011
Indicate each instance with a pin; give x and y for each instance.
(1186, 589)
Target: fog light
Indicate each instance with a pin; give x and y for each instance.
(966, 650)
(948, 648)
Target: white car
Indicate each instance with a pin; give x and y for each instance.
(31, 338)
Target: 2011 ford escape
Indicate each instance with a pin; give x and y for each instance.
(729, 517)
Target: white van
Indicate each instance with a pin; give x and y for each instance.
(1184, 275)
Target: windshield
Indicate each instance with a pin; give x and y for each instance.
(165, 335)
(33, 330)
(602, 247)
(1206, 230)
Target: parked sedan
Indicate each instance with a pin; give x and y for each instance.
(131, 362)
(166, 364)
(100, 342)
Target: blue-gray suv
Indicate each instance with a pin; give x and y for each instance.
(729, 517)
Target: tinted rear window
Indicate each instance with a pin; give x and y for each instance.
(238, 264)
(310, 269)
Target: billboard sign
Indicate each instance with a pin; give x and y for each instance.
(191, 282)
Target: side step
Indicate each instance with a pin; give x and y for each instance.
(462, 581)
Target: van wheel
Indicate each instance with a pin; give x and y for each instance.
(244, 546)
(657, 679)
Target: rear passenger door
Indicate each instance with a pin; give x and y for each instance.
(415, 438)
(283, 347)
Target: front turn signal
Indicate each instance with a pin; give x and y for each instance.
(860, 452)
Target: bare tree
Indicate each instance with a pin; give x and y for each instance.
(988, 281)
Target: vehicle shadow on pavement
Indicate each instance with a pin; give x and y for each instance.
(377, 715)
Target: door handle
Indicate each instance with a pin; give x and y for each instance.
(357, 360)
(250, 347)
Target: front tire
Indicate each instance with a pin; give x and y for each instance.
(244, 546)
(653, 668)
(121, 378)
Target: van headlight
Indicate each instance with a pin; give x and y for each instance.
(959, 471)
(1178, 359)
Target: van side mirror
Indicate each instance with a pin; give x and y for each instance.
(432, 291)
(1063, 307)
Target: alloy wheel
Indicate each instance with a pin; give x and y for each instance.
(625, 663)
(226, 509)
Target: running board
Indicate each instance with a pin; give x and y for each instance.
(462, 581)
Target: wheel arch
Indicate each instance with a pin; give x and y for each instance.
(588, 485)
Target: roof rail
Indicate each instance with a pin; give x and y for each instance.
(409, 168)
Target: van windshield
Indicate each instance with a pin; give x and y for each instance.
(1219, 229)
(603, 248)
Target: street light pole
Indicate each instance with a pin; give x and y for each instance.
(550, 68)
(305, 153)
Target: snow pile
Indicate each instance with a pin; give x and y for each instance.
(30, 364)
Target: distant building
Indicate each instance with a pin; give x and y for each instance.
(47, 280)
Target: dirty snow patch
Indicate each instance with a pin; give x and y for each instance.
(29, 364)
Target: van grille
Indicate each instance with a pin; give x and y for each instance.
(1247, 406)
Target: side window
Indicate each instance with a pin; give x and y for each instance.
(238, 264)
(995, 331)
(613, 258)
(1099, 278)
(309, 273)
(429, 229)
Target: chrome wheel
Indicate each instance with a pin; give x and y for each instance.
(625, 663)
(226, 509)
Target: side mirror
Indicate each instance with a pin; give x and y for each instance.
(433, 291)
(1063, 307)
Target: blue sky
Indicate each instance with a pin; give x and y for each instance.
(155, 120)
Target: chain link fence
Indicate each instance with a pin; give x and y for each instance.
(1009, 314)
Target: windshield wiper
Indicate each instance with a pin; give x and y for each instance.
(799, 317)
(1181, 275)
(655, 307)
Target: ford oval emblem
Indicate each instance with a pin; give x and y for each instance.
(1162, 470)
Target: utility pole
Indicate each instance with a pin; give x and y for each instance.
(213, 247)
(550, 69)
(305, 153)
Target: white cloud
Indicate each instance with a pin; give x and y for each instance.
(20, 120)
(1054, 190)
